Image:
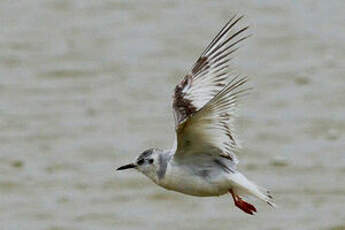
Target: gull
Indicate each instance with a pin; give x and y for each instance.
(202, 161)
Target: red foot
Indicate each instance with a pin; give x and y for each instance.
(245, 206)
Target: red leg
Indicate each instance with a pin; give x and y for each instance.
(244, 206)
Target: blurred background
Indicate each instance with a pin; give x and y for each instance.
(85, 86)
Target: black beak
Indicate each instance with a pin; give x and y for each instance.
(128, 166)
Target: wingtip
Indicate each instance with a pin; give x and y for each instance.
(269, 200)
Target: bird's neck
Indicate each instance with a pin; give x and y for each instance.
(163, 161)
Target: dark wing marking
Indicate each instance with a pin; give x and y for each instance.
(210, 130)
(209, 74)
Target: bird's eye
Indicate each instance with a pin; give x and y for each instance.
(140, 162)
(151, 161)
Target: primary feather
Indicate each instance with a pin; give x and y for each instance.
(206, 98)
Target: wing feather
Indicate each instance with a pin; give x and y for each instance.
(211, 130)
(209, 74)
(205, 100)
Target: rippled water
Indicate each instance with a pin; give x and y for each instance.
(86, 85)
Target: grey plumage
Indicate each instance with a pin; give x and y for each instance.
(163, 160)
(202, 161)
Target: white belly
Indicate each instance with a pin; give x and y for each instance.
(186, 182)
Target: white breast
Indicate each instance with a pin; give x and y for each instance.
(182, 179)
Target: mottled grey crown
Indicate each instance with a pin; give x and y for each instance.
(146, 154)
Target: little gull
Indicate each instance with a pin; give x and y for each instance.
(202, 161)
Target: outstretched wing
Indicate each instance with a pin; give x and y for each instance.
(204, 101)
(210, 130)
(209, 74)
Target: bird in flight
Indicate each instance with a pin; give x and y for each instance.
(202, 161)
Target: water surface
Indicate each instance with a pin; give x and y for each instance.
(86, 85)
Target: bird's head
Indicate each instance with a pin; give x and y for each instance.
(147, 163)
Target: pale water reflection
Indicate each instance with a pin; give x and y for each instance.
(86, 85)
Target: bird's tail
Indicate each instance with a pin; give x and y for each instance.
(242, 186)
